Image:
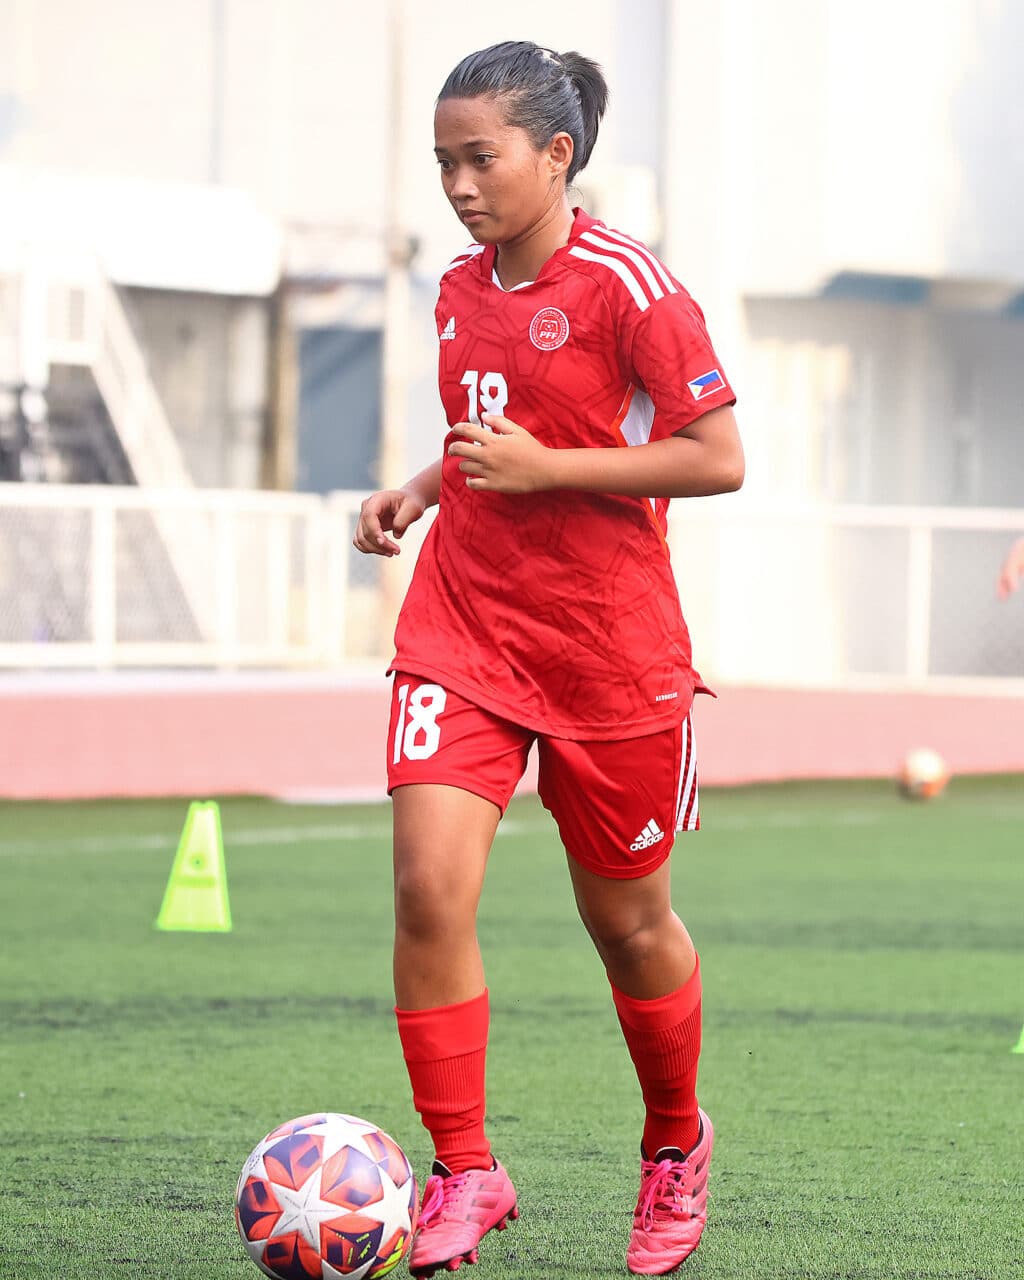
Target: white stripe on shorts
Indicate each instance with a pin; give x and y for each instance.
(687, 812)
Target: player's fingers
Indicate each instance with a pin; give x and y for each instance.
(369, 533)
(378, 544)
(466, 448)
(376, 516)
(369, 528)
(380, 547)
(404, 516)
(503, 426)
(471, 431)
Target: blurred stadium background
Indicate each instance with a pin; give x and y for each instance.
(220, 234)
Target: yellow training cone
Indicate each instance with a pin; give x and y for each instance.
(196, 897)
(1019, 1046)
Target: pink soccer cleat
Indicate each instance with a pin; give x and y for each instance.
(458, 1211)
(672, 1206)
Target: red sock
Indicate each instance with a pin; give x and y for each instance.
(663, 1036)
(445, 1053)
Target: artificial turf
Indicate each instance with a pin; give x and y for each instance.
(862, 964)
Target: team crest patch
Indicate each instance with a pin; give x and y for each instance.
(549, 329)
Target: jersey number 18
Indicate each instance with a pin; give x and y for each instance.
(488, 393)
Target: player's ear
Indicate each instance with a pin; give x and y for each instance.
(560, 153)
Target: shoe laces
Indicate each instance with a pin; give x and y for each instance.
(662, 1190)
(440, 1194)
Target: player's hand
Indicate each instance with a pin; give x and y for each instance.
(503, 459)
(1012, 571)
(389, 511)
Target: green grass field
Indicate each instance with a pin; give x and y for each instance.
(862, 959)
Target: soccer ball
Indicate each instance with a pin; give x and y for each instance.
(325, 1196)
(923, 774)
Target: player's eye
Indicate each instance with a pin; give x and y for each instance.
(445, 164)
(482, 159)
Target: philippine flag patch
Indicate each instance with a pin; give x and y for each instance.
(706, 384)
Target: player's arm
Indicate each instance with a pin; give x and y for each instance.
(702, 458)
(394, 510)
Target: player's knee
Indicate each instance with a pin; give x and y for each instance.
(627, 941)
(428, 907)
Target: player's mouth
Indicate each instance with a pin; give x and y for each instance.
(469, 216)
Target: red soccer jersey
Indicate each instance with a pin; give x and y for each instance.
(559, 610)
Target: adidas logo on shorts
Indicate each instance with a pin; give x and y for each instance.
(650, 835)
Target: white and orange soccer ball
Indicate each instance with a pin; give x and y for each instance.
(923, 774)
(326, 1196)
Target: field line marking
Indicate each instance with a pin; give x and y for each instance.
(255, 836)
(325, 833)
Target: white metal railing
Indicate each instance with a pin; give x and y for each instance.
(85, 578)
(849, 596)
(840, 597)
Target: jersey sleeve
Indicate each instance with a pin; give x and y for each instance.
(672, 358)
(442, 307)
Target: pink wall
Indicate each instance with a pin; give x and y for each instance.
(72, 737)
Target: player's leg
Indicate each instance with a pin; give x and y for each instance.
(655, 979)
(451, 771)
(442, 838)
(441, 842)
(618, 806)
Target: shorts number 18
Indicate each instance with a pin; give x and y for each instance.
(417, 733)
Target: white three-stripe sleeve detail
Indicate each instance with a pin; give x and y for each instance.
(642, 249)
(624, 273)
(627, 251)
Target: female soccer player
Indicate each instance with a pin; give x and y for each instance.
(581, 392)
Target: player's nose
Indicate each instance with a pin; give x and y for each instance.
(463, 188)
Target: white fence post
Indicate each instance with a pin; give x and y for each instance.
(335, 578)
(919, 601)
(317, 534)
(279, 580)
(103, 584)
(226, 588)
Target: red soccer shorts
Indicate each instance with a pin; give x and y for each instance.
(618, 805)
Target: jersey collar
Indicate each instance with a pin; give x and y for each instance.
(582, 221)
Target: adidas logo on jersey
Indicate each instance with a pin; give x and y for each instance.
(448, 332)
(650, 835)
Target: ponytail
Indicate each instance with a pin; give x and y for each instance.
(592, 89)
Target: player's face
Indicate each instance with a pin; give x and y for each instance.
(497, 182)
